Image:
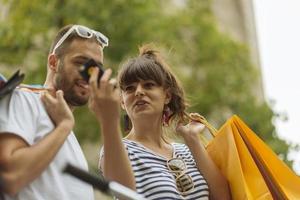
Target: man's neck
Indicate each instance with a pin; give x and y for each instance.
(49, 84)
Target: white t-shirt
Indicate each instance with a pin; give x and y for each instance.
(23, 114)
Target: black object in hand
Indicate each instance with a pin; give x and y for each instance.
(86, 69)
(7, 87)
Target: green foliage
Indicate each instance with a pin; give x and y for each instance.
(216, 71)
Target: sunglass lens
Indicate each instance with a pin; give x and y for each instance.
(184, 183)
(84, 32)
(177, 165)
(100, 38)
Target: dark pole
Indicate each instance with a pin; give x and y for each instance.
(108, 187)
(1, 188)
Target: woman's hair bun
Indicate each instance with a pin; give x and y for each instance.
(148, 50)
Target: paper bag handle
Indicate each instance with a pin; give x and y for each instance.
(199, 118)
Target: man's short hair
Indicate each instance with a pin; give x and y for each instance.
(63, 48)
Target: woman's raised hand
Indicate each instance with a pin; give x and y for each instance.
(104, 101)
(192, 129)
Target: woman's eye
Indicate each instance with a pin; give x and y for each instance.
(149, 85)
(129, 88)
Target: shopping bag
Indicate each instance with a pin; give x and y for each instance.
(252, 169)
(281, 180)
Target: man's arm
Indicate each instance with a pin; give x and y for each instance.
(21, 163)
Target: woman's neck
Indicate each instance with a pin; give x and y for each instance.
(147, 132)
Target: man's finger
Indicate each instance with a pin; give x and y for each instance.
(52, 92)
(60, 95)
(47, 98)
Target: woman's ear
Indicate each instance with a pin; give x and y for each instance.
(53, 63)
(122, 102)
(168, 96)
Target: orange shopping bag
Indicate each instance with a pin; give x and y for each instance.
(252, 169)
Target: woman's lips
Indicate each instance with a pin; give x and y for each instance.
(140, 103)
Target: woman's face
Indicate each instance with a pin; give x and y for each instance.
(144, 98)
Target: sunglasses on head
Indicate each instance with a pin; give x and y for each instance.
(84, 32)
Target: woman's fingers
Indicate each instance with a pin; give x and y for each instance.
(94, 79)
(106, 75)
(113, 82)
(191, 128)
(104, 97)
(181, 128)
(104, 79)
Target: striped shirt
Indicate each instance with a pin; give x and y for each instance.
(153, 178)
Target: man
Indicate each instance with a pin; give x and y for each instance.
(36, 137)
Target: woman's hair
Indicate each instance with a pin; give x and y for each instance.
(149, 65)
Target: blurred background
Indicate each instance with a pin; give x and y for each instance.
(279, 45)
(211, 45)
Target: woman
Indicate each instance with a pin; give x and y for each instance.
(146, 160)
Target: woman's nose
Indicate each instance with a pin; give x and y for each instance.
(139, 90)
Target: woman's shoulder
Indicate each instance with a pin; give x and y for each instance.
(181, 150)
(131, 145)
(127, 141)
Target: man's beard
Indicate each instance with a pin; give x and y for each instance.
(67, 86)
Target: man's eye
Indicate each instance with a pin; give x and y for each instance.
(78, 63)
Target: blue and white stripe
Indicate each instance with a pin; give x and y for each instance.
(155, 181)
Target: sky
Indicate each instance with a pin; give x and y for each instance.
(278, 32)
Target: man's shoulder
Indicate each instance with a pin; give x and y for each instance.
(21, 101)
(21, 95)
(25, 93)
(20, 113)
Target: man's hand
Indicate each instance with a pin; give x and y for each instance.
(58, 109)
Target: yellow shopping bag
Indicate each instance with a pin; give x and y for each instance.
(252, 169)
